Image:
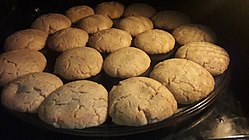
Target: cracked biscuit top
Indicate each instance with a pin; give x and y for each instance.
(169, 19)
(77, 104)
(95, 23)
(135, 25)
(78, 63)
(210, 56)
(139, 9)
(194, 33)
(111, 9)
(140, 101)
(51, 22)
(27, 92)
(78, 12)
(188, 81)
(19, 62)
(67, 38)
(126, 62)
(110, 40)
(155, 41)
(33, 39)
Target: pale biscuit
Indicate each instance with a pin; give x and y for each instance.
(78, 63)
(78, 104)
(95, 23)
(155, 41)
(67, 38)
(126, 62)
(139, 9)
(33, 39)
(140, 101)
(51, 22)
(27, 92)
(76, 13)
(188, 81)
(135, 25)
(210, 56)
(194, 33)
(19, 62)
(169, 19)
(111, 9)
(110, 40)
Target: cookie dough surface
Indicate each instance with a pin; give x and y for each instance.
(139, 9)
(27, 92)
(110, 40)
(169, 19)
(78, 63)
(140, 101)
(19, 62)
(51, 22)
(95, 23)
(210, 56)
(68, 38)
(126, 62)
(111, 9)
(188, 81)
(194, 33)
(76, 13)
(33, 39)
(155, 41)
(135, 25)
(78, 104)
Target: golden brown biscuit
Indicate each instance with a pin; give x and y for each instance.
(67, 38)
(140, 101)
(135, 25)
(126, 62)
(78, 63)
(20, 62)
(27, 92)
(78, 12)
(51, 22)
(33, 39)
(155, 41)
(110, 40)
(139, 9)
(194, 33)
(111, 9)
(188, 81)
(95, 23)
(210, 56)
(78, 104)
(169, 19)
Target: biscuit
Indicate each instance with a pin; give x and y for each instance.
(78, 63)
(126, 62)
(210, 56)
(188, 81)
(20, 62)
(139, 9)
(111, 9)
(33, 39)
(27, 92)
(194, 33)
(110, 40)
(155, 41)
(51, 22)
(169, 19)
(95, 23)
(78, 104)
(67, 38)
(140, 101)
(78, 12)
(135, 25)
